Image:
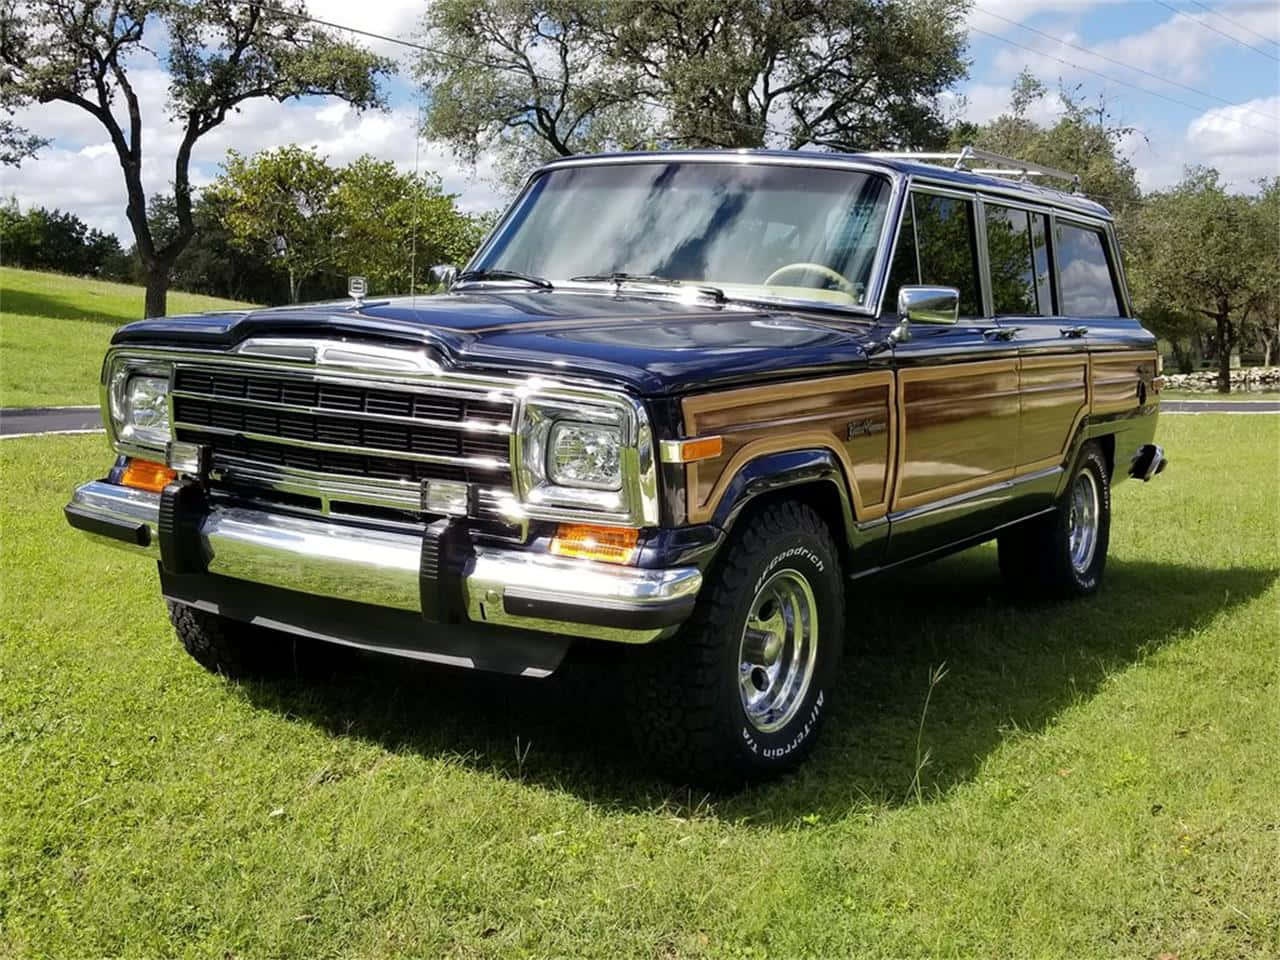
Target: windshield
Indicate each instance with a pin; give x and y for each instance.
(751, 229)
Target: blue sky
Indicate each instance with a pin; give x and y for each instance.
(79, 171)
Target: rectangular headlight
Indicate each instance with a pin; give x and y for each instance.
(585, 455)
(138, 403)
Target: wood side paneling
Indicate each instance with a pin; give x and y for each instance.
(958, 428)
(1054, 397)
(853, 416)
(1115, 378)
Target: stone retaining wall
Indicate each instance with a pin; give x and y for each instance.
(1206, 381)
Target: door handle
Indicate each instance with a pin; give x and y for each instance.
(1000, 333)
(1074, 331)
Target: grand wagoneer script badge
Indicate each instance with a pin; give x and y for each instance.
(864, 428)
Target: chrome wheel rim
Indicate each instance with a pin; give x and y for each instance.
(778, 651)
(1082, 538)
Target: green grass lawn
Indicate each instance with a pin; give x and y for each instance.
(1271, 395)
(1103, 778)
(55, 329)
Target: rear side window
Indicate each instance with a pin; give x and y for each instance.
(1012, 260)
(1088, 283)
(936, 246)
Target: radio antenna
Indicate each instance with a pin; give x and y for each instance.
(417, 199)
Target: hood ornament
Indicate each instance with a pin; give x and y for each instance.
(357, 287)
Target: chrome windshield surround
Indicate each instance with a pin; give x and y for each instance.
(879, 268)
(413, 370)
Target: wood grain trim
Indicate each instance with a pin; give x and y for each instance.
(1102, 361)
(951, 490)
(947, 371)
(787, 439)
(705, 402)
(1082, 359)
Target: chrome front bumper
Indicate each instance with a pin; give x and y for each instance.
(509, 588)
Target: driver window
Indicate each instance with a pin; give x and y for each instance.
(937, 247)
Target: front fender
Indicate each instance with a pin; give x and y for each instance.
(816, 476)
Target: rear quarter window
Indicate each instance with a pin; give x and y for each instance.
(1089, 287)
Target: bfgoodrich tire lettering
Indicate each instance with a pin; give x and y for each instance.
(1064, 553)
(690, 698)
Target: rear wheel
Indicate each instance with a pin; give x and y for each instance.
(740, 692)
(1064, 553)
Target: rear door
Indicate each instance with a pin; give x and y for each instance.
(1054, 349)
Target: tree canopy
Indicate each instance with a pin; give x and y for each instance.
(315, 223)
(1085, 139)
(1205, 254)
(219, 54)
(533, 80)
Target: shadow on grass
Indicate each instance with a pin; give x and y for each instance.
(77, 305)
(1010, 666)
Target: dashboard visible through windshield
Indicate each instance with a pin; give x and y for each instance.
(750, 230)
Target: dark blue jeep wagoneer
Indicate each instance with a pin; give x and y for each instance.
(676, 402)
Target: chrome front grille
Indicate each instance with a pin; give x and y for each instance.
(343, 442)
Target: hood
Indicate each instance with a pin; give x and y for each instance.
(652, 345)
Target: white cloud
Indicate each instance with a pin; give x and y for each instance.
(1222, 138)
(79, 172)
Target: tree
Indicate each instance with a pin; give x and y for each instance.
(45, 239)
(212, 262)
(219, 55)
(1084, 140)
(538, 79)
(314, 223)
(279, 205)
(395, 226)
(529, 80)
(1202, 253)
(1265, 231)
(17, 143)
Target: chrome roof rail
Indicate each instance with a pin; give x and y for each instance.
(1007, 166)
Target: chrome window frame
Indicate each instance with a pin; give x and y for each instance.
(879, 267)
(916, 185)
(1000, 200)
(1111, 249)
(639, 494)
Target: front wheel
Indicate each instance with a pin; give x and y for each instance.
(1063, 553)
(229, 647)
(740, 692)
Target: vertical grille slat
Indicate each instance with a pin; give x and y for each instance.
(347, 416)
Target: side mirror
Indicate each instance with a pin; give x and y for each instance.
(929, 304)
(443, 275)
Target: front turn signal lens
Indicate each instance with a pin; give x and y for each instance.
(147, 475)
(588, 542)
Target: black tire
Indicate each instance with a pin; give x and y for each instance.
(686, 710)
(228, 647)
(1037, 557)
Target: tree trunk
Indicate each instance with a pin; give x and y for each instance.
(1224, 353)
(157, 292)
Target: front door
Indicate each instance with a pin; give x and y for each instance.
(957, 389)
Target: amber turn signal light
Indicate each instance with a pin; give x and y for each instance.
(691, 451)
(588, 542)
(147, 475)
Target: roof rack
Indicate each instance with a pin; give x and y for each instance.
(1008, 166)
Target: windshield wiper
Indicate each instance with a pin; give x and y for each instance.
(618, 278)
(499, 274)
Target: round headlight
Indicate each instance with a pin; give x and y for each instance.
(585, 455)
